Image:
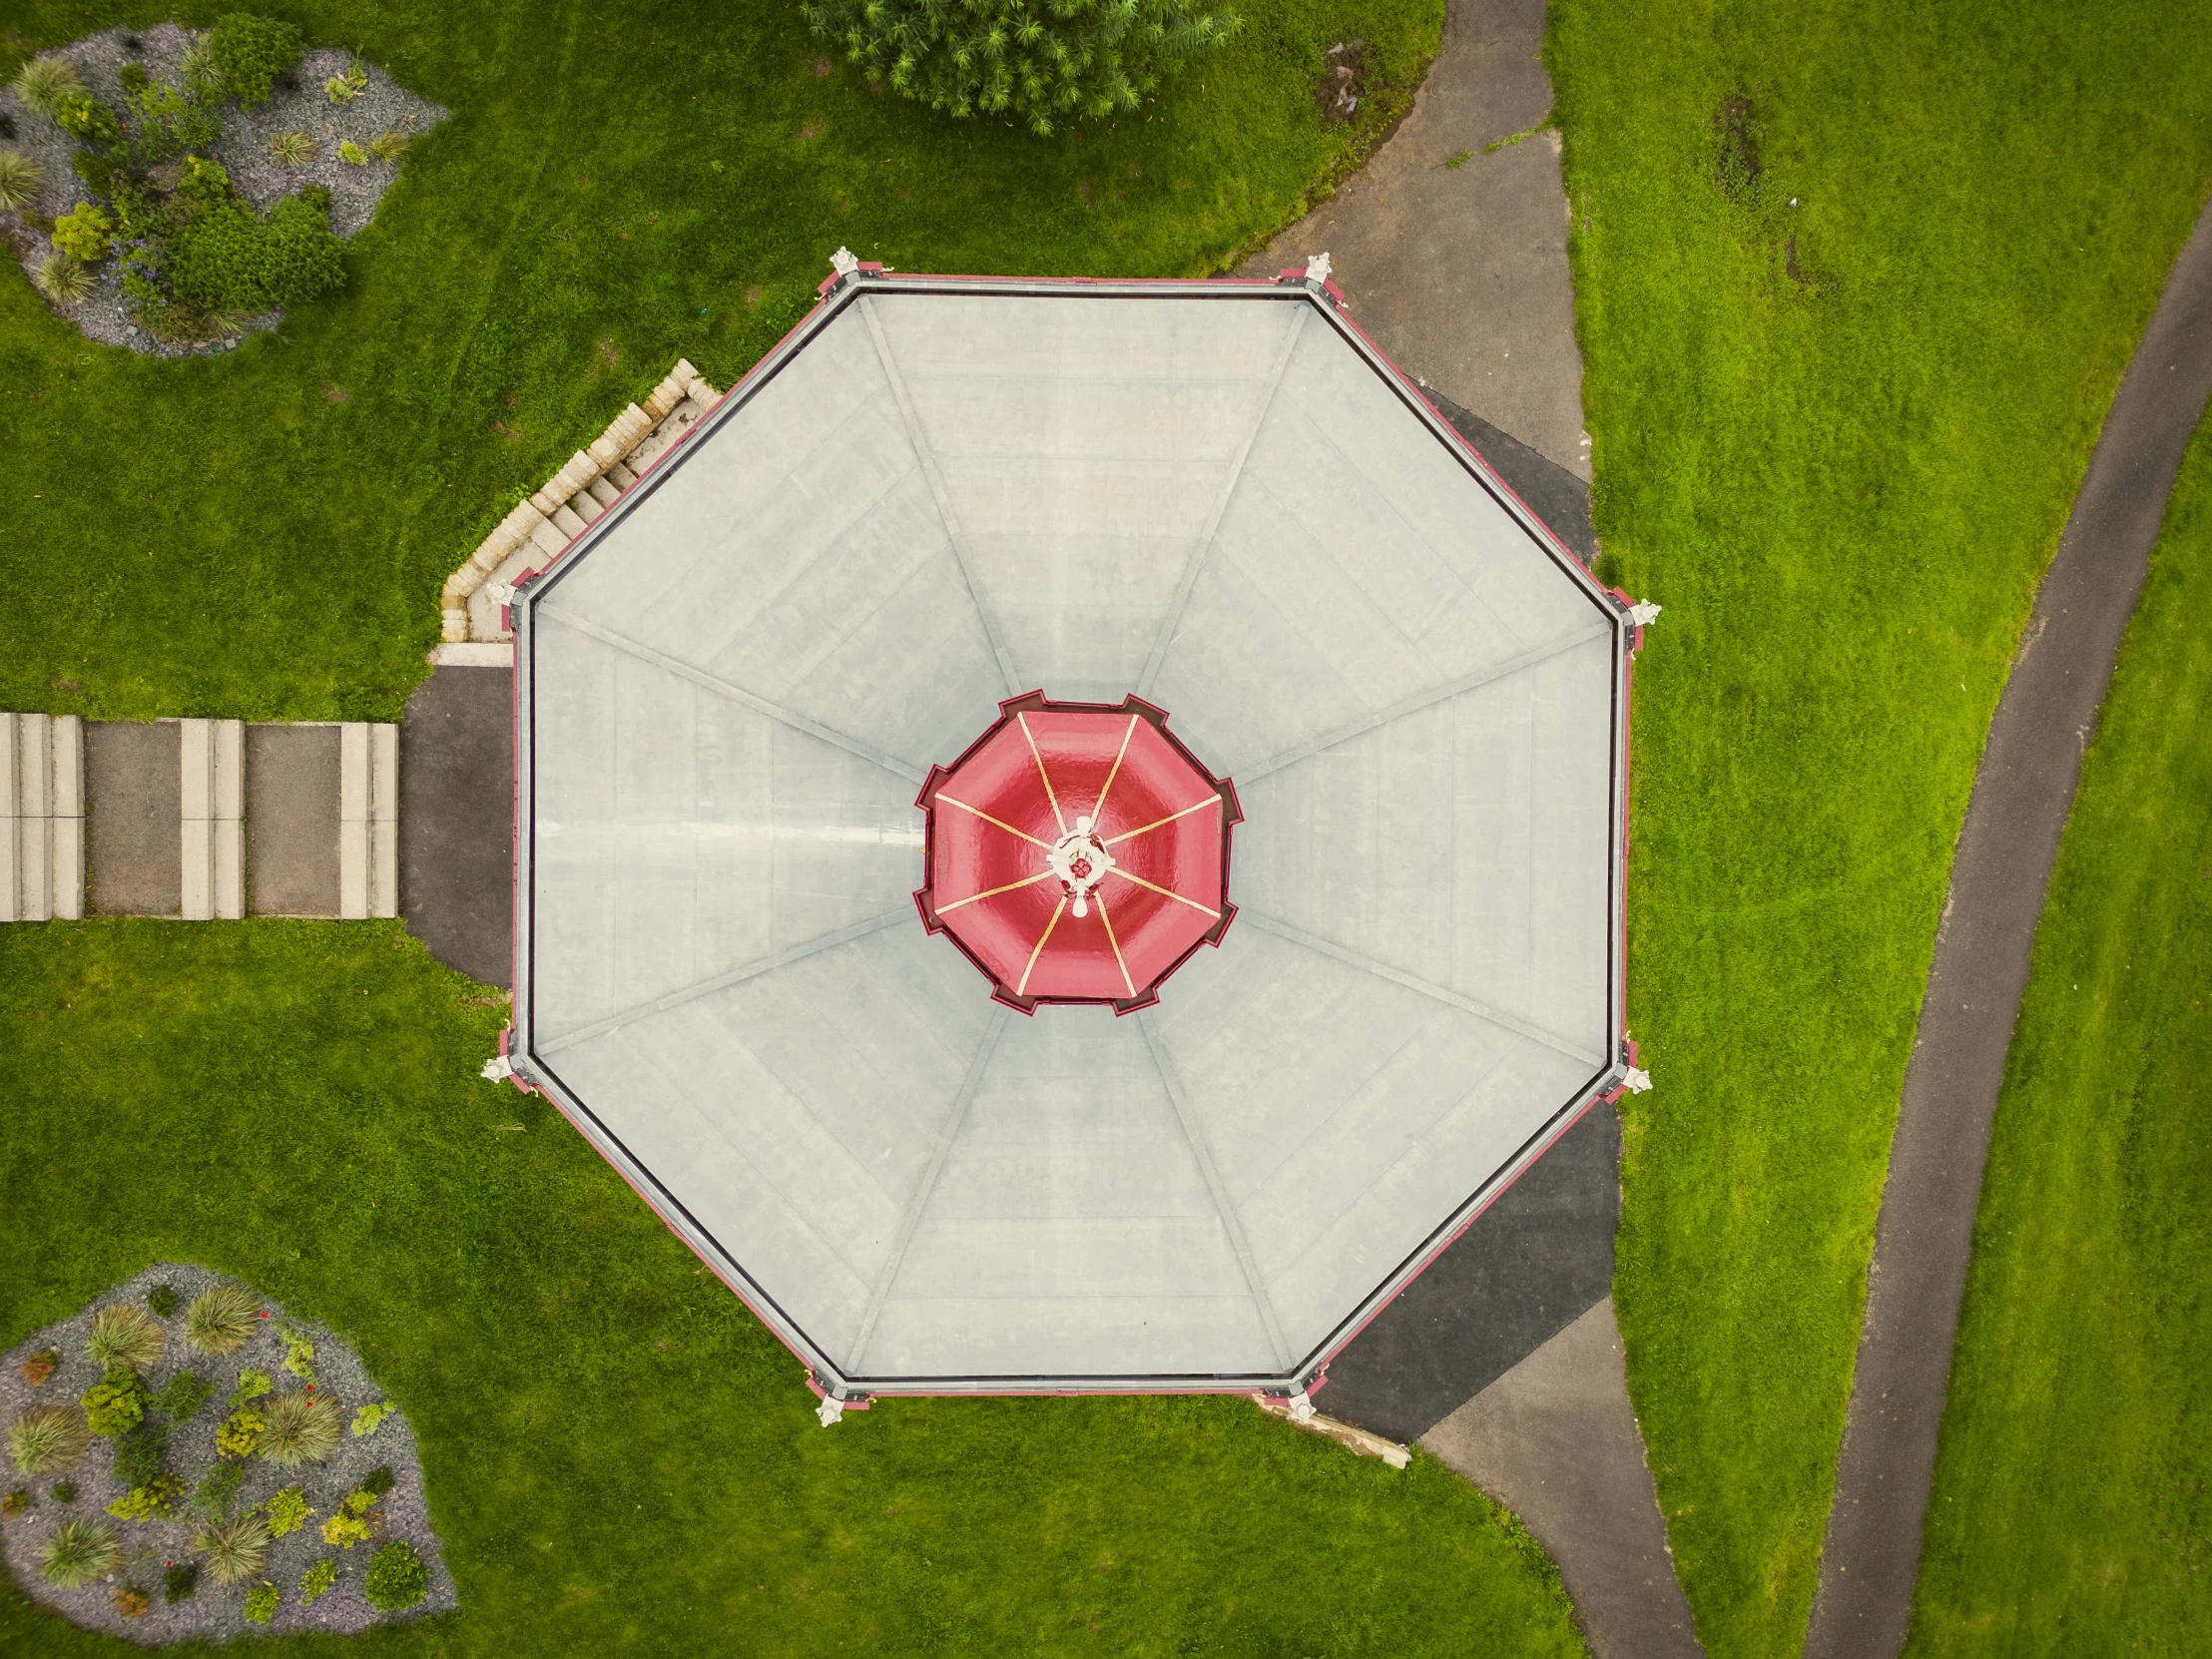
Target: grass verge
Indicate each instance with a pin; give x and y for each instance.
(620, 1459)
(1853, 293)
(2070, 1513)
(263, 534)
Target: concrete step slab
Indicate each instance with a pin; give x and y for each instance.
(291, 820)
(133, 792)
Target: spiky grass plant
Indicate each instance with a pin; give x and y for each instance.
(200, 68)
(388, 146)
(221, 1318)
(236, 1547)
(301, 1429)
(43, 83)
(79, 1552)
(292, 149)
(20, 178)
(123, 1334)
(62, 278)
(46, 1438)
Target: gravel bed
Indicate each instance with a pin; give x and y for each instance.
(213, 1612)
(298, 105)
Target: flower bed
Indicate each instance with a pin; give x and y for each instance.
(185, 1459)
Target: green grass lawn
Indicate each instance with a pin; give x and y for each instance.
(1837, 441)
(2070, 1512)
(619, 1458)
(265, 535)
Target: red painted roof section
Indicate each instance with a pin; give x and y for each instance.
(1077, 852)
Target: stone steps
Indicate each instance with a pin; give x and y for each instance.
(198, 820)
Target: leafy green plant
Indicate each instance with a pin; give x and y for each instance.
(62, 278)
(396, 1577)
(137, 1454)
(42, 1364)
(47, 1438)
(218, 1488)
(179, 1581)
(292, 149)
(288, 1512)
(131, 1601)
(251, 1385)
(388, 146)
(221, 1318)
(133, 76)
(301, 1428)
(240, 1433)
(181, 1397)
(116, 1403)
(343, 89)
(20, 178)
(83, 233)
(299, 1354)
(250, 52)
(233, 261)
(1044, 59)
(343, 1530)
(16, 1502)
(65, 1491)
(235, 1547)
(351, 152)
(378, 1482)
(159, 1498)
(359, 1501)
(77, 1552)
(85, 118)
(122, 1333)
(44, 83)
(168, 125)
(162, 1298)
(315, 1582)
(370, 1417)
(260, 1603)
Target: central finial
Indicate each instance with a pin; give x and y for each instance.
(1080, 859)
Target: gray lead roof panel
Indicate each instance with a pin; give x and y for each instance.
(937, 495)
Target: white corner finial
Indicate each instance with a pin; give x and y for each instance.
(1317, 268)
(497, 1069)
(1637, 1081)
(1302, 1407)
(499, 593)
(828, 1411)
(843, 262)
(1643, 613)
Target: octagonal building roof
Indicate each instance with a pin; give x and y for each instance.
(1211, 503)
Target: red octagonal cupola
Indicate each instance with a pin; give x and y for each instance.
(1077, 852)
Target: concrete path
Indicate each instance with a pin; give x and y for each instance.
(456, 815)
(1460, 272)
(291, 820)
(132, 789)
(1556, 1441)
(2021, 797)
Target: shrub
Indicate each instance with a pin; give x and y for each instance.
(133, 76)
(179, 1581)
(379, 1482)
(63, 279)
(43, 83)
(116, 1405)
(85, 118)
(370, 1417)
(137, 1455)
(44, 1438)
(83, 233)
(131, 1601)
(292, 149)
(123, 1333)
(388, 146)
(233, 261)
(288, 1512)
(169, 124)
(181, 1397)
(343, 89)
(77, 1552)
(302, 1429)
(260, 1603)
(396, 1578)
(157, 1497)
(162, 1299)
(299, 1354)
(240, 1433)
(250, 52)
(235, 1547)
(315, 1582)
(65, 1491)
(20, 178)
(219, 1487)
(351, 152)
(252, 1386)
(16, 1501)
(359, 1501)
(40, 1365)
(220, 1319)
(343, 1530)
(1041, 59)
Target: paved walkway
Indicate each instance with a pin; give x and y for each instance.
(457, 820)
(2021, 797)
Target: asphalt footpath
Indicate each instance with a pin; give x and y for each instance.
(457, 820)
